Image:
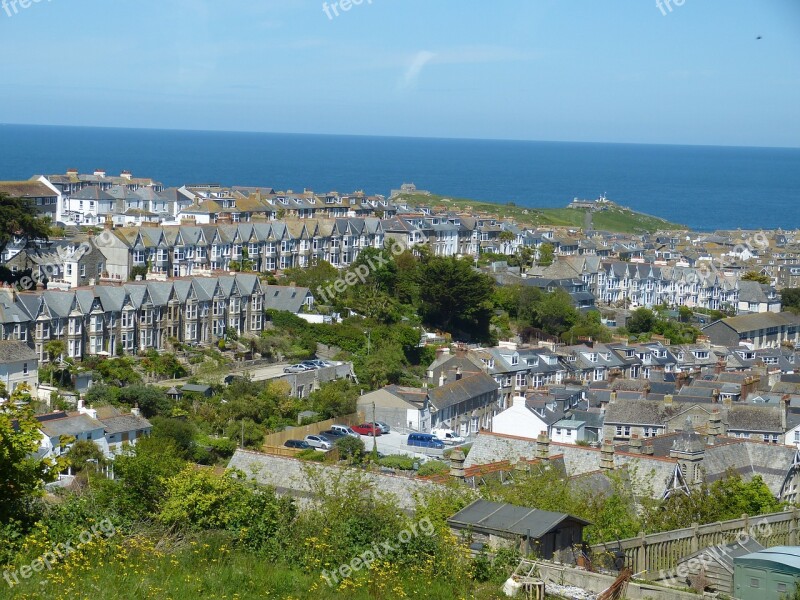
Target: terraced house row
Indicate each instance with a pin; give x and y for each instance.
(109, 320)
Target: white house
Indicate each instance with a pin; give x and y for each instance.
(568, 431)
(18, 364)
(519, 420)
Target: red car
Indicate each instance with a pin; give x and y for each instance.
(367, 429)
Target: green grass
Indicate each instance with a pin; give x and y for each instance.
(209, 567)
(616, 219)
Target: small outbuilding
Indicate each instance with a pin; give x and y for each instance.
(529, 530)
(712, 568)
(197, 388)
(771, 574)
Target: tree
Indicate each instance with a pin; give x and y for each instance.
(790, 298)
(335, 399)
(351, 449)
(455, 297)
(555, 312)
(19, 218)
(756, 276)
(313, 277)
(83, 451)
(22, 473)
(201, 500)
(151, 400)
(642, 320)
(546, 255)
(143, 473)
(179, 432)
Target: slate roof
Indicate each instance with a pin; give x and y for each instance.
(125, 423)
(70, 425)
(288, 298)
(462, 390)
(12, 351)
(640, 412)
(747, 323)
(508, 519)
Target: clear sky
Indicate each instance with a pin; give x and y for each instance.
(572, 70)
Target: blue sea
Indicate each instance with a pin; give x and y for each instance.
(705, 187)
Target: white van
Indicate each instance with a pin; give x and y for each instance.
(344, 430)
(448, 436)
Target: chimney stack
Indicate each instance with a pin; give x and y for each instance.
(636, 445)
(457, 459)
(543, 446)
(607, 457)
(715, 397)
(714, 426)
(668, 400)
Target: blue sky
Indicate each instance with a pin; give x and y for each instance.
(572, 70)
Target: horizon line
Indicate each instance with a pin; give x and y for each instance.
(399, 137)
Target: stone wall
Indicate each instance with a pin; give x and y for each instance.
(290, 476)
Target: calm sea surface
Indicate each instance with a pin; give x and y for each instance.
(705, 187)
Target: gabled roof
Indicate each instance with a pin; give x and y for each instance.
(461, 390)
(495, 517)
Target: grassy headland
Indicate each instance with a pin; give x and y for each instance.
(615, 218)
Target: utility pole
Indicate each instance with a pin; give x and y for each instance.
(374, 435)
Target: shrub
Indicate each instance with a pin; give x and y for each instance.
(433, 467)
(397, 461)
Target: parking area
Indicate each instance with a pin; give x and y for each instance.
(395, 443)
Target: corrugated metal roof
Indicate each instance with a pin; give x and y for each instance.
(506, 518)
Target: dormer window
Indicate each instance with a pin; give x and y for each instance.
(515, 360)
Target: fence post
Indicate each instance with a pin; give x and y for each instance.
(695, 546)
(641, 554)
(793, 527)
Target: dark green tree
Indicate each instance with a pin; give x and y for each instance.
(756, 276)
(642, 320)
(455, 297)
(19, 218)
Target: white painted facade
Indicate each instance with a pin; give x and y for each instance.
(518, 420)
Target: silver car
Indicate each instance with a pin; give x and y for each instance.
(319, 442)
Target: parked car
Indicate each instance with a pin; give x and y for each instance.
(315, 364)
(383, 426)
(448, 436)
(424, 440)
(345, 430)
(318, 441)
(298, 368)
(299, 444)
(367, 429)
(334, 436)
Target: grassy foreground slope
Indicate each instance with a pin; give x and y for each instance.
(206, 567)
(616, 218)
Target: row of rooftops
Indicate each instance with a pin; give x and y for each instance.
(29, 306)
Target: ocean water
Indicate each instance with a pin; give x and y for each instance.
(705, 187)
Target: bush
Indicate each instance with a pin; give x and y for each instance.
(398, 461)
(351, 449)
(311, 454)
(433, 467)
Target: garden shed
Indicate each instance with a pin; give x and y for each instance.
(770, 574)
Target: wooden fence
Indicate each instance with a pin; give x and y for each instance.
(276, 440)
(660, 551)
